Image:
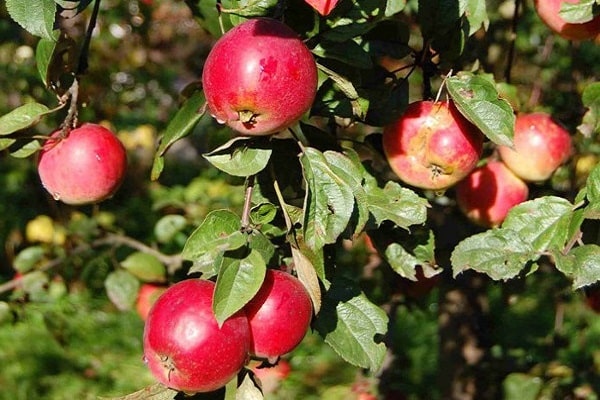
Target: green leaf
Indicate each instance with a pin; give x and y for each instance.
(350, 170)
(329, 200)
(22, 117)
(499, 253)
(28, 258)
(579, 12)
(252, 8)
(219, 232)
(360, 106)
(476, 97)
(520, 386)
(186, 118)
(437, 17)
(352, 325)
(581, 263)
(592, 191)
(476, 13)
(591, 120)
(35, 16)
(145, 267)
(258, 242)
(401, 261)
(168, 226)
(241, 156)
(5, 143)
(348, 52)
(43, 57)
(394, 203)
(238, 281)
(394, 7)
(263, 213)
(155, 391)
(542, 222)
(122, 289)
(27, 149)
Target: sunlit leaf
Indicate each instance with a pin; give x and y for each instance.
(582, 264)
(578, 12)
(168, 226)
(241, 156)
(35, 16)
(397, 204)
(477, 98)
(22, 117)
(307, 274)
(145, 267)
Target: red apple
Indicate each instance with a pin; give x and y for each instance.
(259, 78)
(147, 296)
(279, 315)
(185, 348)
(549, 12)
(85, 166)
(324, 7)
(592, 298)
(432, 146)
(540, 147)
(489, 192)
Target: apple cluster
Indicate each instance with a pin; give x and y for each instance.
(186, 348)
(432, 146)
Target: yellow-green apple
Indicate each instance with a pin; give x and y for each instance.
(540, 147)
(259, 78)
(432, 146)
(488, 193)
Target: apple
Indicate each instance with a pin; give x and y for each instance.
(147, 296)
(87, 165)
(323, 7)
(270, 376)
(432, 146)
(184, 347)
(488, 193)
(549, 13)
(592, 298)
(540, 147)
(279, 315)
(259, 78)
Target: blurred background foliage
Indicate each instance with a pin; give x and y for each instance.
(65, 339)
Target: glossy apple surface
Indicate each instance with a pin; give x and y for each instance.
(432, 146)
(259, 78)
(86, 166)
(279, 315)
(549, 13)
(540, 147)
(489, 192)
(183, 345)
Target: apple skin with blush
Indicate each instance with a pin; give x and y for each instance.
(432, 146)
(540, 146)
(549, 13)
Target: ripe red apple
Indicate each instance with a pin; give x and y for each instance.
(549, 13)
(324, 7)
(279, 315)
(86, 166)
(259, 78)
(432, 146)
(147, 296)
(183, 345)
(540, 147)
(488, 193)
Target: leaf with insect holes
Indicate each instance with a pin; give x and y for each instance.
(186, 118)
(239, 279)
(35, 16)
(122, 289)
(499, 253)
(241, 156)
(397, 204)
(22, 117)
(352, 325)
(329, 200)
(477, 99)
(582, 264)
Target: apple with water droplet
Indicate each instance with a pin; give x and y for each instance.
(432, 146)
(259, 78)
(84, 165)
(184, 347)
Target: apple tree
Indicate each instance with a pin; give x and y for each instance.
(387, 157)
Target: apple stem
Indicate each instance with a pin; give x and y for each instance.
(71, 119)
(247, 204)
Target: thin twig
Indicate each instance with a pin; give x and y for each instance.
(247, 203)
(513, 39)
(82, 65)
